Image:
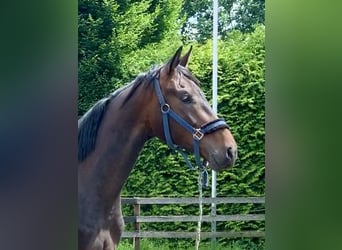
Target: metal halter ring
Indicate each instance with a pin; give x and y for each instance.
(165, 108)
(198, 134)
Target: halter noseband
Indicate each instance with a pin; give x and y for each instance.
(197, 133)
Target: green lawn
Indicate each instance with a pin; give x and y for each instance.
(149, 244)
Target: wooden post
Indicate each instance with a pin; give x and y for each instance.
(136, 240)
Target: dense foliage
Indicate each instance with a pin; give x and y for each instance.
(162, 172)
(111, 33)
(120, 39)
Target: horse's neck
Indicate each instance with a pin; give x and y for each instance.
(120, 139)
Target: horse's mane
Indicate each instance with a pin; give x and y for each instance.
(88, 126)
(89, 123)
(142, 78)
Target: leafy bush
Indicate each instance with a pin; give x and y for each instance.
(118, 40)
(162, 172)
(182, 244)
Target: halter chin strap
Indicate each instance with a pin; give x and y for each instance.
(197, 133)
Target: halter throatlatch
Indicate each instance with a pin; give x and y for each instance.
(197, 133)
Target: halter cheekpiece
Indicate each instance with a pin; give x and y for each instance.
(197, 133)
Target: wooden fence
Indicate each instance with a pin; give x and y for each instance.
(137, 218)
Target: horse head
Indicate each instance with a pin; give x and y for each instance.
(183, 116)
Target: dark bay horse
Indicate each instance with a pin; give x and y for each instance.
(165, 102)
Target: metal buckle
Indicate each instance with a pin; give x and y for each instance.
(165, 108)
(198, 134)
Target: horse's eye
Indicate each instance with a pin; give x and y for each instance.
(186, 98)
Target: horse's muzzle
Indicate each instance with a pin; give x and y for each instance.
(224, 159)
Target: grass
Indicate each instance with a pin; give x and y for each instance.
(174, 244)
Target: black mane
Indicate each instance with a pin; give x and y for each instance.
(89, 123)
(142, 78)
(88, 126)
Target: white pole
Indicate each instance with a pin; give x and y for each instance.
(214, 103)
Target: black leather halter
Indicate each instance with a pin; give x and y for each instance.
(197, 133)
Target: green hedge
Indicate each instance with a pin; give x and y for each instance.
(241, 101)
(118, 40)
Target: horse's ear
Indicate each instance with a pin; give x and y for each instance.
(185, 59)
(174, 62)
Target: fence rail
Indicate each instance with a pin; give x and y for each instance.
(172, 234)
(192, 200)
(191, 218)
(137, 218)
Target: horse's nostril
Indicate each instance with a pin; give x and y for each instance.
(230, 153)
